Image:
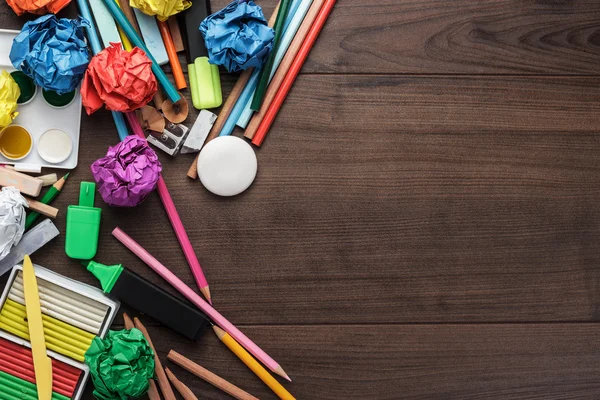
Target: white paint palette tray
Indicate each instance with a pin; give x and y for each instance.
(37, 116)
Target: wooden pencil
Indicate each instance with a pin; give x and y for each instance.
(295, 68)
(229, 104)
(152, 389)
(209, 377)
(284, 67)
(163, 381)
(251, 363)
(183, 390)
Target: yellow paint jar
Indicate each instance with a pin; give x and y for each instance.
(15, 142)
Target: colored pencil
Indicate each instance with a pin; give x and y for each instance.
(182, 237)
(209, 377)
(263, 82)
(46, 199)
(163, 381)
(84, 10)
(229, 105)
(185, 290)
(295, 17)
(152, 389)
(251, 363)
(183, 390)
(163, 27)
(286, 85)
(118, 15)
(284, 66)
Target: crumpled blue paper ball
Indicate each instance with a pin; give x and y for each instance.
(238, 37)
(52, 52)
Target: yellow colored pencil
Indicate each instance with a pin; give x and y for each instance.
(251, 363)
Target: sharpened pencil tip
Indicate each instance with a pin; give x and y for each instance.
(206, 293)
(279, 371)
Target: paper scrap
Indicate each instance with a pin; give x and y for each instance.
(238, 37)
(39, 7)
(120, 365)
(9, 93)
(163, 9)
(121, 80)
(52, 52)
(12, 219)
(128, 173)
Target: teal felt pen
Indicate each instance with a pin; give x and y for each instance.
(205, 80)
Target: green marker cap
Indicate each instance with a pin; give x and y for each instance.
(106, 274)
(83, 225)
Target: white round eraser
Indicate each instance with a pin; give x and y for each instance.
(227, 165)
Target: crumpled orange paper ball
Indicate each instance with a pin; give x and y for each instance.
(39, 7)
(121, 80)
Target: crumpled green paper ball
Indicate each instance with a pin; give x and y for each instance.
(120, 365)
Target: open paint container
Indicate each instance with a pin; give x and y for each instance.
(52, 120)
(73, 313)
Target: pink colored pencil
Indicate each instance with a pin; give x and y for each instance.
(185, 290)
(184, 240)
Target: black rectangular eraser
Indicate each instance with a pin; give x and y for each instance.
(146, 297)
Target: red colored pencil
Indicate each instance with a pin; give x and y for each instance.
(286, 85)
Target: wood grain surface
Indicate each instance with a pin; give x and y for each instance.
(424, 224)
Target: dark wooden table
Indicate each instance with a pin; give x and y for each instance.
(425, 221)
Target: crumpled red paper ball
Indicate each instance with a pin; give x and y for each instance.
(121, 80)
(39, 7)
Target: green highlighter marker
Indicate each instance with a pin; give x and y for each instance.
(205, 80)
(83, 225)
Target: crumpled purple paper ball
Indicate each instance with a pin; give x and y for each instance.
(128, 173)
(52, 52)
(238, 37)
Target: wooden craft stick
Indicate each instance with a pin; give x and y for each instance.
(152, 390)
(209, 377)
(44, 209)
(229, 104)
(284, 67)
(163, 381)
(183, 390)
(175, 33)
